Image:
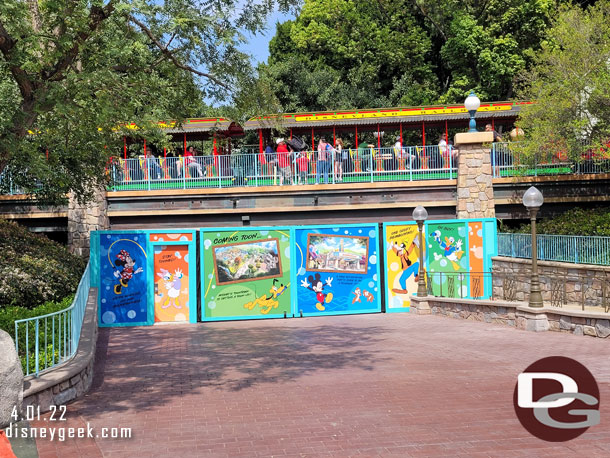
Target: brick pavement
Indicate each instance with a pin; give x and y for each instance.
(368, 385)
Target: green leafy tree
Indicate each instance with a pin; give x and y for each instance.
(349, 53)
(73, 72)
(345, 53)
(484, 45)
(570, 82)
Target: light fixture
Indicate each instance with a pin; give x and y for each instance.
(533, 200)
(472, 104)
(420, 215)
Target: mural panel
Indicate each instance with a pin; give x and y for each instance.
(337, 269)
(171, 283)
(402, 254)
(447, 259)
(123, 277)
(246, 273)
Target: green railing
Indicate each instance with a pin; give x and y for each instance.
(239, 169)
(46, 341)
(562, 248)
(508, 161)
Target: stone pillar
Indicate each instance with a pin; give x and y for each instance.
(475, 196)
(93, 216)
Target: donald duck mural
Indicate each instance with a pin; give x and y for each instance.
(452, 249)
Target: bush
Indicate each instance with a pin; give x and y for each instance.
(577, 221)
(34, 269)
(8, 316)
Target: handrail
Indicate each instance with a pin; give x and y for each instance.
(256, 169)
(561, 248)
(507, 161)
(62, 328)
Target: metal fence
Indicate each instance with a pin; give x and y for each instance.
(508, 161)
(7, 185)
(45, 341)
(562, 248)
(279, 169)
(559, 287)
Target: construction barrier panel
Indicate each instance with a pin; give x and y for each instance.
(245, 273)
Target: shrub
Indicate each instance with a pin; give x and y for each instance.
(34, 269)
(8, 316)
(577, 221)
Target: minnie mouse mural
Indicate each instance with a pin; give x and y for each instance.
(127, 263)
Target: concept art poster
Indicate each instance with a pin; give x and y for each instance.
(246, 273)
(337, 270)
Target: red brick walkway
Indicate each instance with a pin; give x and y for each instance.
(368, 385)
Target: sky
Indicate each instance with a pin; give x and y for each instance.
(258, 45)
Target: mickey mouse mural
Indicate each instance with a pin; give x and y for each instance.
(337, 270)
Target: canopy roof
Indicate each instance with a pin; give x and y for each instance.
(199, 128)
(374, 116)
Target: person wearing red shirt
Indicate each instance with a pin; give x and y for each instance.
(302, 163)
(190, 162)
(283, 161)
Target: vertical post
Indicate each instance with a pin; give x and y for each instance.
(219, 159)
(356, 139)
(371, 162)
(185, 147)
(423, 133)
(146, 166)
(291, 133)
(124, 147)
(37, 350)
(260, 141)
(421, 283)
(535, 294)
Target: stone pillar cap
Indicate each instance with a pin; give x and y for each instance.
(469, 138)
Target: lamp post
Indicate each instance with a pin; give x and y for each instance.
(420, 215)
(472, 104)
(532, 199)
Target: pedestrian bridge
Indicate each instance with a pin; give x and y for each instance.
(367, 185)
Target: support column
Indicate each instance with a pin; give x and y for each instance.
(475, 195)
(82, 219)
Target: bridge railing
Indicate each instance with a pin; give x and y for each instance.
(308, 167)
(560, 248)
(7, 185)
(48, 340)
(508, 161)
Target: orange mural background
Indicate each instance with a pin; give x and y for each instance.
(171, 283)
(475, 245)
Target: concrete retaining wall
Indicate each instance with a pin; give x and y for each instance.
(517, 314)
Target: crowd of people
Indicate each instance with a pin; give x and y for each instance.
(291, 162)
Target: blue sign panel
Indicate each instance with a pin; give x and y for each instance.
(123, 277)
(337, 269)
